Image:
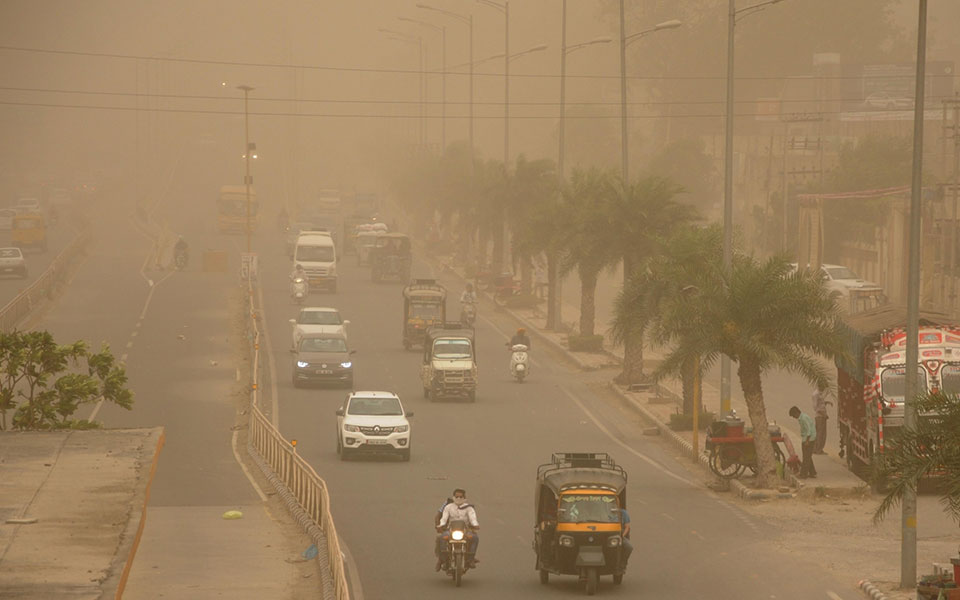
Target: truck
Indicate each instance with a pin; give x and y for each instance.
(871, 378)
(449, 362)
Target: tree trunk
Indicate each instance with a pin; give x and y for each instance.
(687, 378)
(553, 285)
(588, 304)
(749, 373)
(526, 276)
(633, 344)
(498, 242)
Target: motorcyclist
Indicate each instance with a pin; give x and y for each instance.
(468, 296)
(458, 510)
(520, 338)
(298, 272)
(180, 250)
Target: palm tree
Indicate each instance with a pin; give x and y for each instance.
(585, 245)
(668, 278)
(641, 217)
(931, 450)
(763, 316)
(532, 195)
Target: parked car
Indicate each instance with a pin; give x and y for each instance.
(887, 101)
(317, 319)
(323, 358)
(12, 261)
(374, 422)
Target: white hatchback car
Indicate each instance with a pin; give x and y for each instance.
(373, 422)
(317, 319)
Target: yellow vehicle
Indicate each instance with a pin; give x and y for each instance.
(233, 211)
(29, 231)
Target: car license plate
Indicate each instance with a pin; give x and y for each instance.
(377, 442)
(324, 372)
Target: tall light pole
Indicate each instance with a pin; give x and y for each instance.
(247, 179)
(732, 14)
(413, 39)
(625, 40)
(443, 76)
(908, 503)
(468, 19)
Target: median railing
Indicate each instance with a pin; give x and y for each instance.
(43, 288)
(304, 492)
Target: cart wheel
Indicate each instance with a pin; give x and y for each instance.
(725, 461)
(544, 576)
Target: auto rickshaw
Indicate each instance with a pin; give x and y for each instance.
(579, 523)
(365, 241)
(424, 305)
(391, 258)
(29, 231)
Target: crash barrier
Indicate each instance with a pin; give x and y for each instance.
(42, 289)
(297, 483)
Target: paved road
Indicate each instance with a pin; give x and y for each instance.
(689, 542)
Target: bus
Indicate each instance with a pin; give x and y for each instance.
(232, 209)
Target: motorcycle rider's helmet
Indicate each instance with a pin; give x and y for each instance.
(469, 287)
(521, 331)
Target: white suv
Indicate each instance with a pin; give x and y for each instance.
(373, 422)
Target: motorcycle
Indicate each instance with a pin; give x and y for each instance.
(518, 362)
(454, 557)
(180, 259)
(299, 289)
(468, 313)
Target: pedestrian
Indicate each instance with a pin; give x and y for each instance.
(808, 439)
(820, 403)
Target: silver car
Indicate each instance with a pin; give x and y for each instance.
(12, 261)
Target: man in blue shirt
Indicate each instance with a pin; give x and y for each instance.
(808, 441)
(625, 533)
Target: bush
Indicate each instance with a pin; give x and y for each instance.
(585, 343)
(679, 422)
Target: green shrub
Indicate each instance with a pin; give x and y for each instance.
(585, 343)
(679, 422)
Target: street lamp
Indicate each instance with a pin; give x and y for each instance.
(732, 15)
(413, 39)
(468, 19)
(624, 41)
(248, 150)
(443, 76)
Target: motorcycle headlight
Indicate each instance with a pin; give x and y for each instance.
(566, 541)
(351, 428)
(401, 428)
(457, 535)
(346, 365)
(613, 541)
(302, 364)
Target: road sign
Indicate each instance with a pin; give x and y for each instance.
(248, 265)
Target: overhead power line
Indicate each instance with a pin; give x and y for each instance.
(234, 63)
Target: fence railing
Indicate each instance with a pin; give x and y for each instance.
(42, 288)
(297, 481)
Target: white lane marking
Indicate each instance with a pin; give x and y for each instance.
(833, 595)
(236, 456)
(134, 334)
(271, 364)
(667, 516)
(697, 533)
(356, 589)
(130, 344)
(616, 440)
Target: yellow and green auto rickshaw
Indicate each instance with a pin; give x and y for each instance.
(579, 522)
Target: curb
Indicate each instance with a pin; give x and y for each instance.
(871, 591)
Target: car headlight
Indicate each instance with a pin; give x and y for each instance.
(566, 541)
(346, 365)
(457, 535)
(401, 428)
(351, 428)
(302, 364)
(613, 541)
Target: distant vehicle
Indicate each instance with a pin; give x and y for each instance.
(856, 294)
(6, 218)
(12, 261)
(374, 422)
(323, 358)
(27, 205)
(317, 319)
(233, 209)
(887, 101)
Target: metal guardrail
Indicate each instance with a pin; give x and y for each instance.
(296, 481)
(42, 289)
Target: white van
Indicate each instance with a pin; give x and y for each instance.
(317, 254)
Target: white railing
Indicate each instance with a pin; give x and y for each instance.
(296, 481)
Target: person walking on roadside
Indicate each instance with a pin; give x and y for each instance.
(820, 403)
(808, 438)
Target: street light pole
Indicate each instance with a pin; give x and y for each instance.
(247, 179)
(732, 14)
(908, 525)
(443, 77)
(403, 37)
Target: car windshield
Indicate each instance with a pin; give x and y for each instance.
(593, 508)
(893, 383)
(419, 310)
(452, 349)
(331, 344)
(315, 253)
(840, 273)
(320, 317)
(9, 253)
(375, 407)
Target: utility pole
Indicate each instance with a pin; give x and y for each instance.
(624, 160)
(247, 179)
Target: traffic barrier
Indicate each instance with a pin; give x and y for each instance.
(296, 482)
